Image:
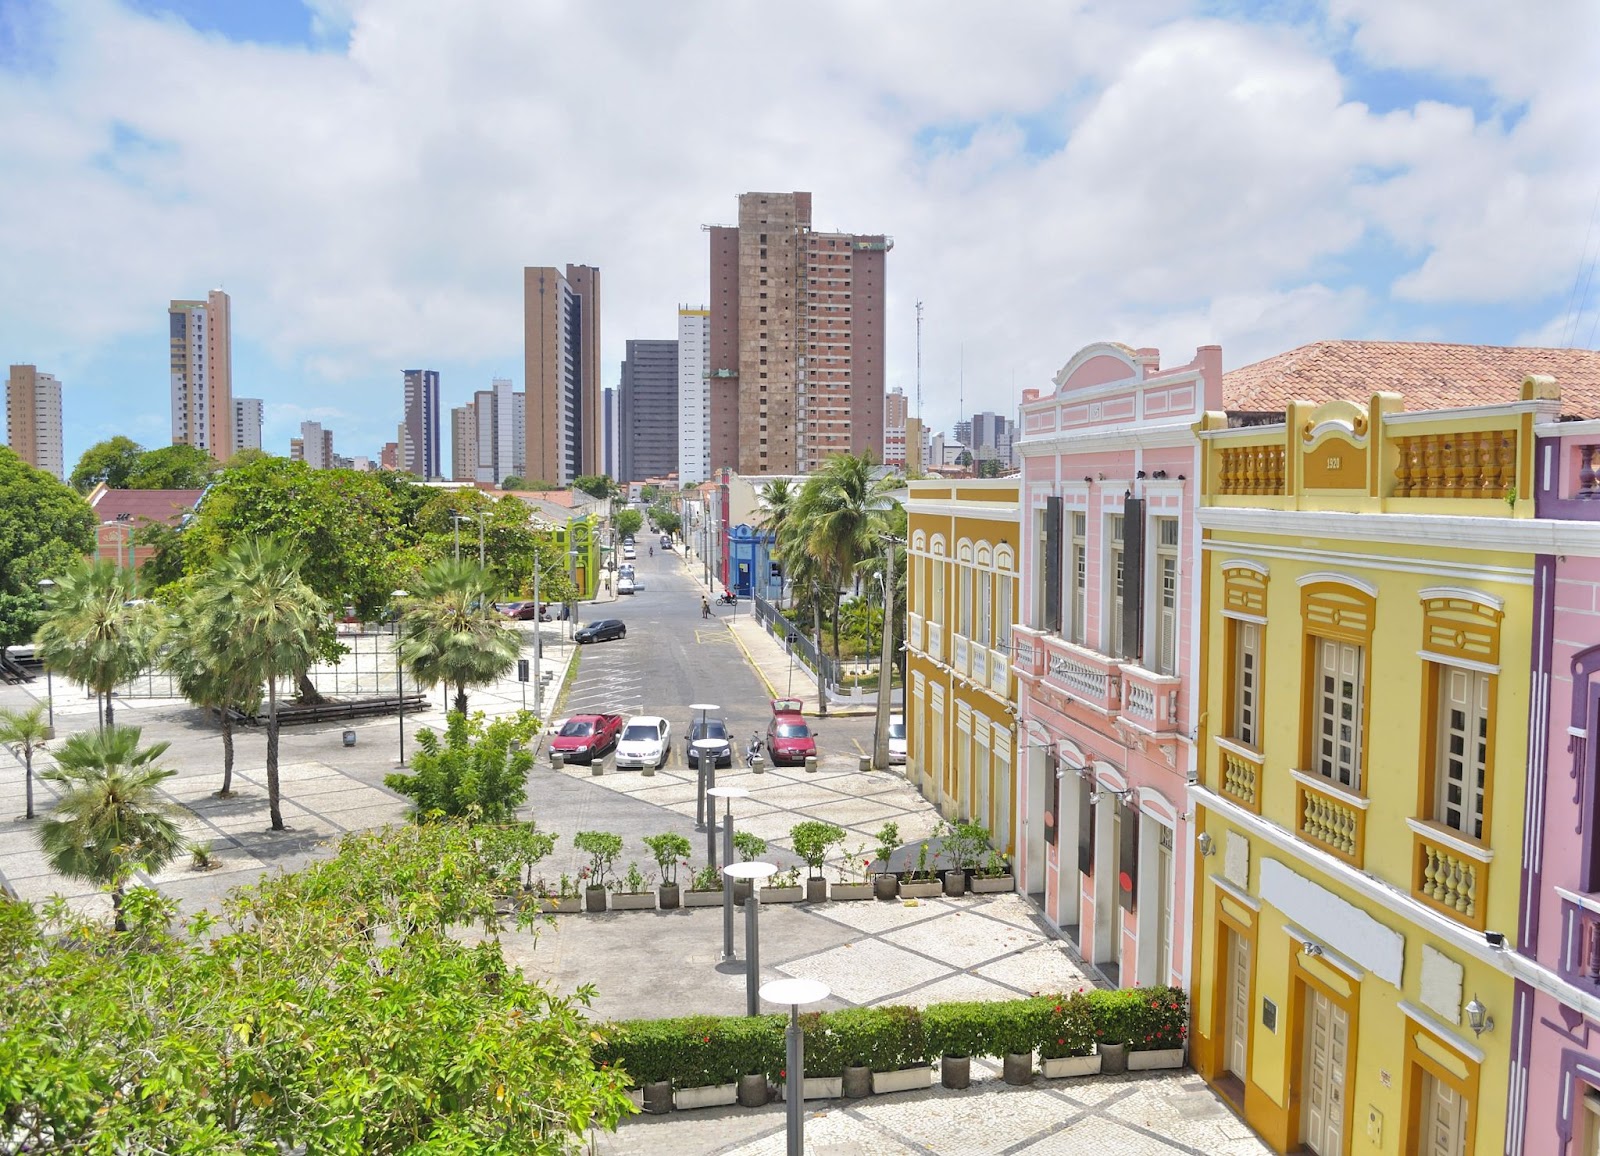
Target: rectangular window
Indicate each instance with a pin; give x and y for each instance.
(1080, 576)
(985, 608)
(1003, 619)
(1246, 681)
(1166, 595)
(1049, 536)
(964, 607)
(1113, 635)
(1341, 675)
(1461, 764)
(936, 606)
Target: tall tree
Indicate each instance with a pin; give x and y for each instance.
(595, 485)
(110, 461)
(44, 529)
(174, 467)
(93, 632)
(777, 499)
(254, 606)
(451, 632)
(25, 731)
(110, 818)
(197, 652)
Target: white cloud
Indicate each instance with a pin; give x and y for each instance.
(370, 203)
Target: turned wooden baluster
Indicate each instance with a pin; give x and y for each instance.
(1451, 484)
(1432, 467)
(1505, 465)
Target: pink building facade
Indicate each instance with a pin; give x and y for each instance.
(1106, 652)
(1555, 1077)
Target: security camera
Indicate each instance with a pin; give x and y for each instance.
(1495, 939)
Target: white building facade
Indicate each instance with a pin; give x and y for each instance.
(694, 395)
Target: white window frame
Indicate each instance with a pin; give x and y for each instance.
(964, 600)
(1078, 559)
(1111, 635)
(1246, 682)
(1163, 600)
(1329, 707)
(1474, 733)
(985, 608)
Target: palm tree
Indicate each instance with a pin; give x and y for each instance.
(210, 676)
(110, 818)
(451, 632)
(94, 632)
(841, 510)
(778, 500)
(808, 582)
(27, 731)
(255, 608)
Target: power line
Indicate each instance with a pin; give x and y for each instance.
(1585, 276)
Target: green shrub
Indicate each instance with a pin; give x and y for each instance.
(1119, 1015)
(749, 845)
(1017, 1025)
(1068, 1027)
(811, 840)
(823, 1054)
(960, 1029)
(1163, 1020)
(671, 851)
(697, 1051)
(881, 1038)
(604, 849)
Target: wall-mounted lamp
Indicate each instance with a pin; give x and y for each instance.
(1102, 477)
(1140, 474)
(1207, 845)
(1185, 816)
(1478, 1017)
(1312, 949)
(1094, 798)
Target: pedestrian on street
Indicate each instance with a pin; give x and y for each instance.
(705, 607)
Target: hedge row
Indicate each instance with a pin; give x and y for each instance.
(701, 1051)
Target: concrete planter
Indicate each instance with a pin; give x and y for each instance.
(1158, 1058)
(921, 889)
(752, 1091)
(955, 884)
(742, 889)
(703, 898)
(557, 760)
(811, 764)
(857, 1082)
(904, 1080)
(886, 886)
(850, 891)
(1113, 1058)
(562, 906)
(758, 766)
(1066, 1066)
(668, 893)
(782, 894)
(1019, 1068)
(816, 1088)
(594, 899)
(658, 1097)
(597, 768)
(633, 901)
(648, 772)
(816, 890)
(993, 884)
(955, 1071)
(636, 1096)
(715, 1096)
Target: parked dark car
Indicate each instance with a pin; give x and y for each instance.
(713, 730)
(602, 629)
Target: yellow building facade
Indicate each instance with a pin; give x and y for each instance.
(961, 600)
(1366, 610)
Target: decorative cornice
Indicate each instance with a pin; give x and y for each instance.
(1514, 535)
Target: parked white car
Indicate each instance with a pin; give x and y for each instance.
(624, 584)
(646, 742)
(897, 739)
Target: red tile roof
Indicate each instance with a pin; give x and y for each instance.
(1429, 375)
(136, 506)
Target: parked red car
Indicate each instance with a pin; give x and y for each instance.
(585, 737)
(789, 739)
(524, 611)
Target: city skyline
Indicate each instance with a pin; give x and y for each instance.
(1306, 184)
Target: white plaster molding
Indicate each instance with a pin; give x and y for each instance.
(1327, 787)
(1566, 429)
(1237, 894)
(1511, 576)
(1008, 512)
(1449, 838)
(1487, 532)
(1341, 426)
(1332, 958)
(1337, 922)
(1457, 660)
(1442, 979)
(1238, 748)
(1505, 409)
(1590, 903)
(1334, 576)
(1108, 776)
(1412, 1012)
(1153, 803)
(1245, 564)
(1465, 593)
(1105, 439)
(1241, 616)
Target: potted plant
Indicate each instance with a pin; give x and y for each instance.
(993, 875)
(892, 1044)
(670, 851)
(956, 1032)
(824, 1078)
(784, 887)
(963, 843)
(1016, 1030)
(604, 849)
(564, 900)
(853, 870)
(886, 884)
(1163, 1026)
(923, 881)
(632, 891)
(1066, 1038)
(811, 840)
(750, 847)
(1118, 1018)
(705, 888)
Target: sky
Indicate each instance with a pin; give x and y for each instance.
(367, 179)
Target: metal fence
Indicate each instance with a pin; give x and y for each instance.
(367, 668)
(808, 652)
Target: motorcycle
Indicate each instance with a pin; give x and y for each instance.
(726, 599)
(753, 751)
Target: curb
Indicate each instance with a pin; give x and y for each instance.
(772, 691)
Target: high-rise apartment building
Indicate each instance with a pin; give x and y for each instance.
(797, 339)
(246, 423)
(694, 395)
(647, 411)
(608, 431)
(561, 348)
(895, 413)
(962, 432)
(463, 443)
(202, 374)
(992, 438)
(33, 418)
(419, 445)
(389, 456)
(315, 446)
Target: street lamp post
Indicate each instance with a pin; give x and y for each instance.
(794, 992)
(700, 770)
(458, 519)
(756, 873)
(730, 794)
(880, 745)
(47, 585)
(400, 677)
(133, 571)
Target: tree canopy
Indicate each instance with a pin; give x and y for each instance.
(111, 461)
(175, 467)
(628, 521)
(44, 528)
(595, 485)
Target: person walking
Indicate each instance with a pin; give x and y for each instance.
(705, 607)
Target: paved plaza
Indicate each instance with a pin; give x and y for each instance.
(670, 963)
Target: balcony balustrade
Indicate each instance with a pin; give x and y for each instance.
(1150, 700)
(935, 647)
(999, 681)
(1479, 464)
(1451, 872)
(914, 631)
(1093, 678)
(1251, 469)
(960, 646)
(1330, 818)
(1241, 768)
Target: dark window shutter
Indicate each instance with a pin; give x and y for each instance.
(1128, 861)
(1052, 564)
(1132, 578)
(1052, 799)
(1085, 827)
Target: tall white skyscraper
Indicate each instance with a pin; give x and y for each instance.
(419, 446)
(317, 445)
(246, 423)
(694, 395)
(33, 418)
(201, 340)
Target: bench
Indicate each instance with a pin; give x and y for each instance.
(338, 710)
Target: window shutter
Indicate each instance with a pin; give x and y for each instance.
(1085, 827)
(1052, 564)
(1132, 578)
(1128, 860)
